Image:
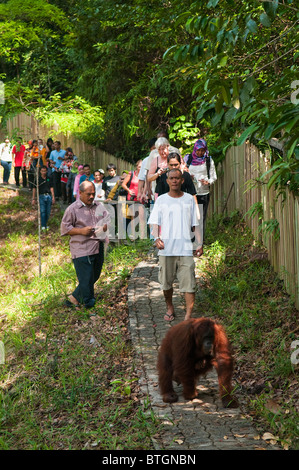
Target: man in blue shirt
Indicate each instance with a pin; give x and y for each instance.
(56, 158)
(88, 176)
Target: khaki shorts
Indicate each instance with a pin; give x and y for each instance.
(180, 267)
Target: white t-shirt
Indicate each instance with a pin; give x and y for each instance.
(6, 152)
(100, 193)
(199, 172)
(176, 217)
(142, 172)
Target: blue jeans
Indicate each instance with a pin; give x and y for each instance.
(45, 203)
(88, 270)
(6, 172)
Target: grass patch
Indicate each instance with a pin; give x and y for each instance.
(239, 288)
(69, 380)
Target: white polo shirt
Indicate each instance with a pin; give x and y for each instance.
(176, 217)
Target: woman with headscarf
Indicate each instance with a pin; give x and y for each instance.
(202, 169)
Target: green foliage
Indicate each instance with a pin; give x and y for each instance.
(285, 173)
(271, 227)
(228, 69)
(129, 77)
(25, 25)
(255, 210)
(33, 61)
(243, 55)
(267, 227)
(183, 131)
(74, 115)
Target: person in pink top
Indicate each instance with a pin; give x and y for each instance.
(18, 152)
(77, 182)
(130, 183)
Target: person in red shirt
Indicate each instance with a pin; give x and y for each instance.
(130, 183)
(18, 153)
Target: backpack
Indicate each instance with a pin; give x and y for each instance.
(129, 182)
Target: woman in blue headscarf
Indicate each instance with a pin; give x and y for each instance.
(202, 169)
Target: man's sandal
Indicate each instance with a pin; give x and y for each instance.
(69, 304)
(168, 317)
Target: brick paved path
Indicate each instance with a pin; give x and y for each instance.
(201, 424)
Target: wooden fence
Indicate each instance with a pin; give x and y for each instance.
(237, 189)
(29, 128)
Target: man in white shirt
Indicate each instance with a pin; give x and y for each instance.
(175, 221)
